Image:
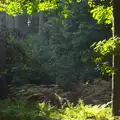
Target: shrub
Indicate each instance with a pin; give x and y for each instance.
(22, 110)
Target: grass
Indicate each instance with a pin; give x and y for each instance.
(22, 110)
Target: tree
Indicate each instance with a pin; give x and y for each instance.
(116, 61)
(108, 9)
(16, 8)
(102, 12)
(3, 82)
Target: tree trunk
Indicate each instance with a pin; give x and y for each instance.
(3, 82)
(41, 24)
(116, 62)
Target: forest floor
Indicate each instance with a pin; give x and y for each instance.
(98, 92)
(30, 102)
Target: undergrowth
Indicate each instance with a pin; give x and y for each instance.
(22, 110)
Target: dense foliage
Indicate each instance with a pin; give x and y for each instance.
(23, 110)
(18, 7)
(102, 11)
(62, 54)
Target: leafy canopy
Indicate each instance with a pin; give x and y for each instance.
(102, 11)
(18, 7)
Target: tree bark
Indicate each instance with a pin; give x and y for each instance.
(3, 82)
(116, 62)
(41, 24)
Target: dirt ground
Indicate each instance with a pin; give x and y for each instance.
(97, 93)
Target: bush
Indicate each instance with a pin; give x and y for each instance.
(21, 110)
(17, 110)
(25, 64)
